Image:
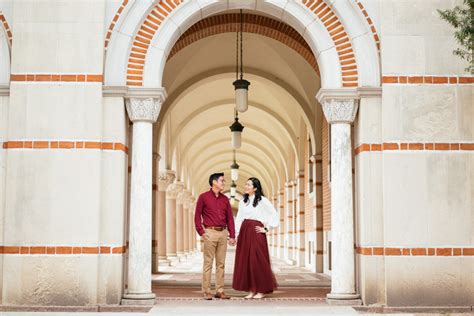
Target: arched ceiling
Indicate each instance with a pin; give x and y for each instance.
(200, 108)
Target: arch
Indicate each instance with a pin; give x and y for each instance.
(317, 21)
(217, 161)
(256, 144)
(305, 108)
(278, 119)
(6, 40)
(263, 133)
(255, 24)
(267, 159)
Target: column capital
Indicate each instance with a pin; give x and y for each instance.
(182, 197)
(339, 105)
(144, 104)
(165, 179)
(173, 190)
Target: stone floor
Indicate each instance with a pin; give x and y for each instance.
(178, 292)
(183, 280)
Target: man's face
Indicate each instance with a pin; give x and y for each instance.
(220, 183)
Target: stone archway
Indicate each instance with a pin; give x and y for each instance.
(328, 32)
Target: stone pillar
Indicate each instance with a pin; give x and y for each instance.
(191, 229)
(165, 178)
(143, 107)
(300, 219)
(171, 194)
(281, 226)
(340, 109)
(186, 225)
(288, 217)
(318, 218)
(179, 219)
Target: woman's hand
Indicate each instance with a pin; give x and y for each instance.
(260, 230)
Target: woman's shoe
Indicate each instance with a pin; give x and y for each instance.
(250, 296)
(259, 296)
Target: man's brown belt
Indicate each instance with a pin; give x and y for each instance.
(218, 228)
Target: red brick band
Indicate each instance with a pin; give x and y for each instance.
(418, 251)
(414, 146)
(57, 77)
(62, 250)
(56, 144)
(427, 80)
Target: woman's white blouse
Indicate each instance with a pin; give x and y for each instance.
(265, 212)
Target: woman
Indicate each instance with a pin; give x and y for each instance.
(253, 272)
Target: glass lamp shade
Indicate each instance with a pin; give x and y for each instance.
(236, 128)
(241, 94)
(234, 172)
(233, 191)
(236, 139)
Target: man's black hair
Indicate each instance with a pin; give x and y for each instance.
(215, 176)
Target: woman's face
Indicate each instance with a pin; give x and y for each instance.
(249, 188)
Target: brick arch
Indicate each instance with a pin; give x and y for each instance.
(113, 23)
(252, 23)
(160, 11)
(143, 38)
(7, 29)
(371, 24)
(340, 38)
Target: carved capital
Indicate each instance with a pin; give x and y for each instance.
(339, 105)
(165, 179)
(340, 111)
(144, 104)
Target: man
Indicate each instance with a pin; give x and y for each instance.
(214, 222)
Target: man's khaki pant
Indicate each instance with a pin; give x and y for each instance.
(216, 247)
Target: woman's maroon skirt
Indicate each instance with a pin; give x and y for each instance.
(253, 271)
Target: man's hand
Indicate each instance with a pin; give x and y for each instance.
(205, 237)
(232, 242)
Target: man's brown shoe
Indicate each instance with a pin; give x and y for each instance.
(222, 296)
(208, 296)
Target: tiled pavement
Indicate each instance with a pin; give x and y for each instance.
(184, 280)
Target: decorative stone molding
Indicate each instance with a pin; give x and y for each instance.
(339, 105)
(172, 191)
(165, 178)
(4, 91)
(340, 111)
(144, 104)
(114, 91)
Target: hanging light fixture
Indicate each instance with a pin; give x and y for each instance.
(236, 128)
(233, 190)
(234, 171)
(241, 85)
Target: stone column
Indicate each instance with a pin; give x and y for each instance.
(180, 220)
(165, 178)
(318, 214)
(191, 229)
(186, 223)
(340, 108)
(288, 216)
(143, 107)
(171, 193)
(300, 219)
(281, 226)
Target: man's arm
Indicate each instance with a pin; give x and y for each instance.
(230, 221)
(198, 216)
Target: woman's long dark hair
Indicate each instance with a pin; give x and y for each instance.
(258, 193)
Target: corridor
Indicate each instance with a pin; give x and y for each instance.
(183, 280)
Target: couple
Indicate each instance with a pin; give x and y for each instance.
(215, 222)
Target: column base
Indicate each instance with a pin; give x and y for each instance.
(343, 299)
(138, 299)
(172, 260)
